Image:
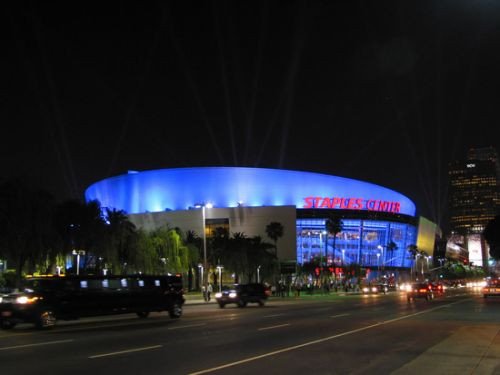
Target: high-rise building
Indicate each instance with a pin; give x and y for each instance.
(474, 198)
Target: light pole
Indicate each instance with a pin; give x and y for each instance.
(381, 248)
(78, 253)
(219, 268)
(343, 256)
(200, 266)
(205, 265)
(258, 275)
(378, 262)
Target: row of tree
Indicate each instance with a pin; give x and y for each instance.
(38, 235)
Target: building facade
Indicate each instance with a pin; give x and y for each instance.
(474, 199)
(248, 199)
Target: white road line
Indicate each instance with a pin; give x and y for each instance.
(272, 316)
(126, 351)
(265, 328)
(188, 326)
(37, 344)
(339, 315)
(290, 348)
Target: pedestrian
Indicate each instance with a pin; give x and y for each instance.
(204, 292)
(209, 291)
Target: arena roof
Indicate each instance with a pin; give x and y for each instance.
(184, 188)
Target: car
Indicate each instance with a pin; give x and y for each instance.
(437, 287)
(420, 290)
(242, 294)
(491, 289)
(43, 300)
(375, 289)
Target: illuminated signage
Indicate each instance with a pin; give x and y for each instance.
(352, 204)
(471, 165)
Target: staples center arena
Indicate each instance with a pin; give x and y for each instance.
(248, 199)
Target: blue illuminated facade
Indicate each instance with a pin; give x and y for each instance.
(372, 216)
(182, 188)
(362, 242)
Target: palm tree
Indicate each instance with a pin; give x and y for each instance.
(414, 251)
(333, 226)
(391, 246)
(275, 231)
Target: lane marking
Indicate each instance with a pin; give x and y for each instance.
(273, 327)
(290, 348)
(126, 351)
(188, 326)
(272, 316)
(339, 315)
(37, 344)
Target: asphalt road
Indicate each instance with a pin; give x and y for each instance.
(457, 333)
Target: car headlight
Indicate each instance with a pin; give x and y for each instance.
(1, 299)
(24, 300)
(366, 290)
(232, 295)
(374, 289)
(218, 295)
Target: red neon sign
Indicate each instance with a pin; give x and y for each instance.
(352, 204)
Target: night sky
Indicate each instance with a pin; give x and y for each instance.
(383, 91)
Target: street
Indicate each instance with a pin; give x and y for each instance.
(354, 334)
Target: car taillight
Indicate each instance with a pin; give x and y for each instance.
(423, 290)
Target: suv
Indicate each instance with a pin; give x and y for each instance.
(241, 294)
(420, 290)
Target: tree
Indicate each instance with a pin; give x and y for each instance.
(81, 226)
(492, 236)
(275, 231)
(333, 226)
(391, 247)
(413, 251)
(194, 244)
(121, 237)
(26, 227)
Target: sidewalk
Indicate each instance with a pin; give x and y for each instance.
(197, 298)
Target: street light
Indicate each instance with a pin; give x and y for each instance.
(219, 268)
(200, 266)
(378, 262)
(78, 253)
(205, 265)
(343, 256)
(258, 274)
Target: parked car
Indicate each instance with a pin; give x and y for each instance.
(43, 300)
(420, 290)
(241, 294)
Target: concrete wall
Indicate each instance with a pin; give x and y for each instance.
(250, 220)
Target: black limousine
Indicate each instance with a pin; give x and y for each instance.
(43, 300)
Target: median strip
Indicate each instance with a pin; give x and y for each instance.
(273, 327)
(125, 351)
(37, 344)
